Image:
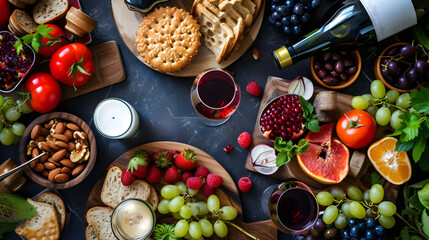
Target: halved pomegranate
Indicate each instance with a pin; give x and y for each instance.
(327, 159)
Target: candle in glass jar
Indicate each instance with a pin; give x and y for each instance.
(133, 219)
(115, 118)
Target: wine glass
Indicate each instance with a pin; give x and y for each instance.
(215, 96)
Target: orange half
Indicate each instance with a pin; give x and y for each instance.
(394, 166)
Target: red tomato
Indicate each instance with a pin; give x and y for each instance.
(45, 92)
(56, 31)
(4, 13)
(356, 128)
(72, 64)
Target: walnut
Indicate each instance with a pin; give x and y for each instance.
(77, 154)
(79, 135)
(32, 144)
(86, 157)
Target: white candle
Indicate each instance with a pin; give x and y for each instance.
(115, 118)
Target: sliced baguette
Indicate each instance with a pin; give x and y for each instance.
(100, 218)
(43, 225)
(22, 22)
(114, 191)
(47, 11)
(18, 3)
(153, 198)
(58, 203)
(91, 233)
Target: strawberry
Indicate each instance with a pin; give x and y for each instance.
(139, 164)
(127, 178)
(201, 172)
(186, 175)
(244, 140)
(254, 89)
(163, 158)
(194, 183)
(214, 180)
(172, 175)
(244, 184)
(207, 190)
(175, 153)
(154, 174)
(186, 160)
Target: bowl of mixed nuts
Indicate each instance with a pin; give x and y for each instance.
(70, 150)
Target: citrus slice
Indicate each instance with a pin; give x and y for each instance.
(394, 166)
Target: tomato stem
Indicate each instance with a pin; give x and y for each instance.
(77, 67)
(353, 124)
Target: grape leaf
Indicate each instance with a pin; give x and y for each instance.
(409, 128)
(419, 100)
(425, 222)
(424, 164)
(423, 195)
(419, 147)
(415, 202)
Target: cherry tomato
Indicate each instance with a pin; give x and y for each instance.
(4, 13)
(45, 92)
(59, 42)
(72, 64)
(356, 128)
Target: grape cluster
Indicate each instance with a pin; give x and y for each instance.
(10, 112)
(367, 229)
(404, 67)
(292, 15)
(385, 107)
(195, 217)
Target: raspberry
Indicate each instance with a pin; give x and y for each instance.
(154, 174)
(254, 89)
(244, 184)
(207, 190)
(186, 175)
(244, 140)
(214, 180)
(194, 183)
(201, 172)
(172, 175)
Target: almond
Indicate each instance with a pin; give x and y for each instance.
(73, 127)
(66, 170)
(256, 54)
(68, 133)
(45, 173)
(60, 128)
(62, 177)
(35, 131)
(61, 137)
(49, 165)
(39, 138)
(53, 173)
(67, 163)
(71, 146)
(59, 155)
(44, 146)
(55, 163)
(61, 144)
(44, 131)
(44, 158)
(52, 145)
(33, 164)
(49, 124)
(35, 152)
(39, 167)
(78, 170)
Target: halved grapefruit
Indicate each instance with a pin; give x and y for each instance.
(327, 159)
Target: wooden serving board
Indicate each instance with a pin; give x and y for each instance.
(128, 22)
(228, 194)
(275, 87)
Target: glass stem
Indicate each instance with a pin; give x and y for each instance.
(242, 230)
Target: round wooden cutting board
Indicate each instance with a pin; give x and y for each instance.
(228, 194)
(128, 22)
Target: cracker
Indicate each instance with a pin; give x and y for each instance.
(168, 39)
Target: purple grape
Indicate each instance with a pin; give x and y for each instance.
(273, 7)
(287, 30)
(322, 73)
(289, 4)
(329, 66)
(282, 10)
(339, 66)
(319, 225)
(285, 21)
(315, 3)
(384, 61)
(276, 16)
(277, 24)
(271, 20)
(407, 51)
(403, 83)
(351, 70)
(385, 72)
(392, 66)
(348, 63)
(294, 19)
(412, 75)
(421, 66)
(392, 52)
(298, 9)
(306, 18)
(297, 30)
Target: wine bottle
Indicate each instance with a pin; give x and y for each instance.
(354, 23)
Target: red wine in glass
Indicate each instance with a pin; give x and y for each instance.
(215, 96)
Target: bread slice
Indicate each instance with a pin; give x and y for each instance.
(29, 1)
(22, 22)
(47, 11)
(100, 218)
(153, 198)
(14, 30)
(17, 3)
(43, 225)
(91, 233)
(58, 203)
(114, 192)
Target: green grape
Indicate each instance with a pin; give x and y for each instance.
(404, 101)
(12, 114)
(185, 212)
(228, 213)
(357, 210)
(163, 206)
(338, 193)
(324, 198)
(378, 90)
(213, 203)
(391, 96)
(206, 227)
(376, 193)
(386, 222)
(170, 191)
(204, 210)
(382, 117)
(195, 230)
(6, 136)
(176, 215)
(193, 192)
(387, 208)
(8, 103)
(345, 208)
(354, 193)
(182, 186)
(220, 228)
(360, 103)
(195, 209)
(395, 121)
(372, 110)
(330, 214)
(366, 196)
(181, 228)
(1, 100)
(23, 107)
(176, 203)
(18, 129)
(341, 221)
(188, 236)
(369, 98)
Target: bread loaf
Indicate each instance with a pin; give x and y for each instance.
(100, 218)
(47, 11)
(58, 203)
(91, 233)
(22, 22)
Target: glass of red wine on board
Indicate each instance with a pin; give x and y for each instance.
(293, 207)
(215, 96)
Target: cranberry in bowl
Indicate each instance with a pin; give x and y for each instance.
(14, 67)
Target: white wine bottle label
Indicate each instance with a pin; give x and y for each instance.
(390, 16)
